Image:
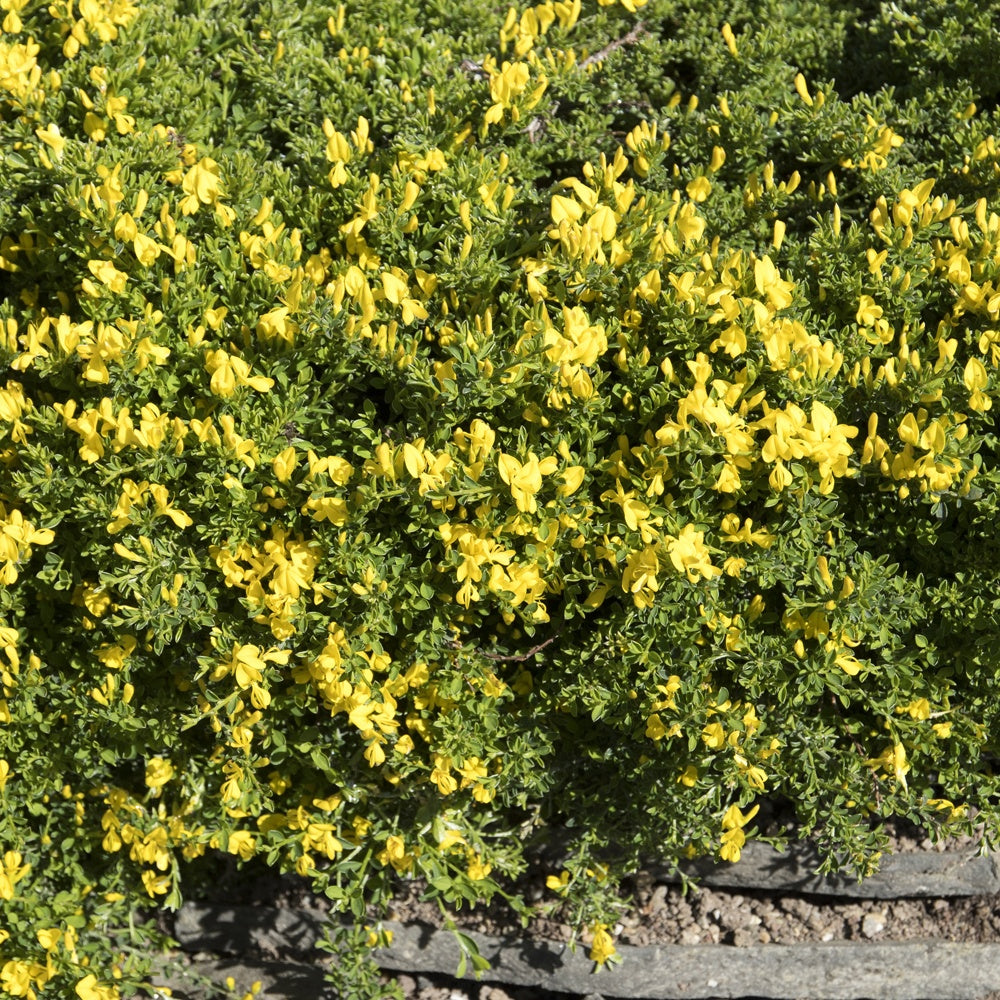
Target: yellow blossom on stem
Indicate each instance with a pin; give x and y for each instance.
(602, 947)
(690, 555)
(892, 760)
(639, 578)
(525, 480)
(11, 872)
(395, 854)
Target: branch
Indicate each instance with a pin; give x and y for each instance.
(455, 645)
(521, 657)
(630, 39)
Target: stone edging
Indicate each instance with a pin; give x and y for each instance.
(920, 873)
(925, 970)
(835, 971)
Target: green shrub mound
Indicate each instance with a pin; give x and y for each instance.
(431, 433)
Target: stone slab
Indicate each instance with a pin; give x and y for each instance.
(279, 980)
(921, 873)
(928, 970)
(835, 971)
(238, 929)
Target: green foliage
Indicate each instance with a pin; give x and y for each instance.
(428, 439)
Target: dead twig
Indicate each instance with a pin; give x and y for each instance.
(630, 39)
(455, 646)
(473, 69)
(520, 657)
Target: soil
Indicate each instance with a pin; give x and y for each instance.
(655, 913)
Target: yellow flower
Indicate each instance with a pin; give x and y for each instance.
(88, 989)
(919, 709)
(49, 938)
(655, 729)
(11, 872)
(688, 776)
(107, 274)
(248, 663)
(639, 578)
(946, 805)
(714, 736)
(243, 844)
(52, 138)
(892, 760)
(229, 372)
(635, 512)
(734, 817)
(558, 883)
(733, 566)
(450, 839)
(441, 775)
(732, 845)
(525, 480)
(603, 946)
(395, 854)
(158, 773)
(690, 555)
(201, 185)
(733, 837)
(146, 249)
(17, 977)
(699, 189)
(154, 884)
(477, 868)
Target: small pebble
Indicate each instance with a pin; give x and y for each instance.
(658, 900)
(499, 994)
(873, 924)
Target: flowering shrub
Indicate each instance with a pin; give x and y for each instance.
(428, 438)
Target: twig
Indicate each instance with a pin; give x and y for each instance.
(630, 39)
(474, 69)
(521, 657)
(455, 645)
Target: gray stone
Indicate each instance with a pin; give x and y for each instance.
(279, 980)
(923, 873)
(237, 929)
(835, 971)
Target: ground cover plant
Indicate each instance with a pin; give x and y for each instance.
(432, 431)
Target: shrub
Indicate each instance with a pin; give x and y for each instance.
(428, 436)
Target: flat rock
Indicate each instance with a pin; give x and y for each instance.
(279, 980)
(238, 929)
(929, 970)
(921, 873)
(835, 971)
